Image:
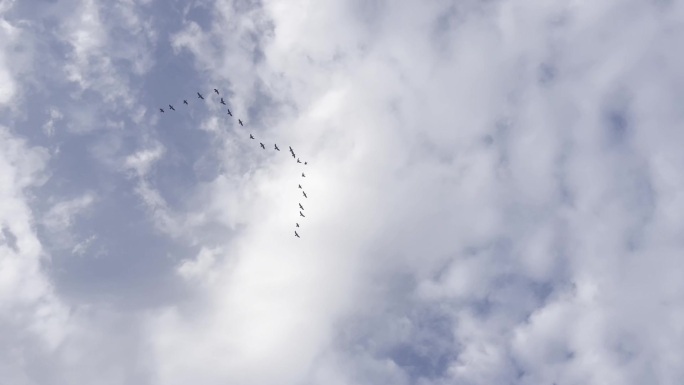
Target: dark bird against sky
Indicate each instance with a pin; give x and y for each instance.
(251, 136)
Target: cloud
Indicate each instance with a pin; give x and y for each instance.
(466, 154)
(493, 192)
(61, 215)
(34, 320)
(60, 221)
(142, 161)
(8, 85)
(95, 50)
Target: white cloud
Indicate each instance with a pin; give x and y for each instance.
(201, 267)
(89, 32)
(493, 195)
(8, 87)
(61, 215)
(29, 309)
(143, 160)
(81, 247)
(60, 222)
(49, 126)
(466, 148)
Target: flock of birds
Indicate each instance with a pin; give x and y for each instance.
(263, 146)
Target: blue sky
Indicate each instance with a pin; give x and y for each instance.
(495, 192)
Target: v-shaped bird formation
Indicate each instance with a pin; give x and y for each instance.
(263, 147)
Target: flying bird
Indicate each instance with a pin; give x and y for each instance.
(304, 192)
(297, 235)
(262, 145)
(303, 176)
(161, 110)
(302, 215)
(200, 96)
(298, 160)
(229, 112)
(305, 163)
(301, 207)
(185, 101)
(297, 224)
(276, 147)
(293, 156)
(250, 136)
(171, 107)
(300, 186)
(222, 102)
(215, 90)
(239, 121)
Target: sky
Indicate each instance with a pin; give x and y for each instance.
(495, 192)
